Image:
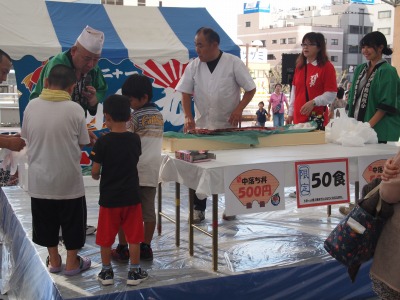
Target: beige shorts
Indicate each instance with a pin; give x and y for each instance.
(148, 194)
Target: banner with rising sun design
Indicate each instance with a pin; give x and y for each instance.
(155, 41)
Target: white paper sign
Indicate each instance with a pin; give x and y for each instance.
(322, 182)
(254, 188)
(370, 167)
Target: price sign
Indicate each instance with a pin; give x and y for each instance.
(322, 182)
(371, 167)
(254, 188)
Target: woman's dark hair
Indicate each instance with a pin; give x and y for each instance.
(375, 39)
(277, 85)
(261, 102)
(322, 56)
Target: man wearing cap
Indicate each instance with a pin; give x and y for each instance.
(83, 57)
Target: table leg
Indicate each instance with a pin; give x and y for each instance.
(215, 231)
(191, 204)
(159, 208)
(177, 213)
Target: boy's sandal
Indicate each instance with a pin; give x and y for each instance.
(53, 269)
(84, 264)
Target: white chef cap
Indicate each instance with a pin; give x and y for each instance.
(91, 39)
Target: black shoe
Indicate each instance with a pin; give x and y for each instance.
(136, 276)
(146, 253)
(121, 253)
(106, 276)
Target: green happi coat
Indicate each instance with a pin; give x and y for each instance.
(64, 58)
(384, 94)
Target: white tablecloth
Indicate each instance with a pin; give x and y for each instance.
(207, 178)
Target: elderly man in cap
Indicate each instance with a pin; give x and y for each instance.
(83, 57)
(91, 87)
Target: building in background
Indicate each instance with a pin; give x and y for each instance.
(343, 24)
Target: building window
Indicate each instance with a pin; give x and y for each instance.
(334, 58)
(283, 41)
(334, 42)
(274, 41)
(248, 24)
(353, 49)
(114, 2)
(291, 40)
(264, 43)
(358, 29)
(386, 14)
(271, 57)
(385, 31)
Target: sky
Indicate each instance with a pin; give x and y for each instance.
(225, 11)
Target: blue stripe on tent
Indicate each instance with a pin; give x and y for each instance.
(185, 22)
(69, 19)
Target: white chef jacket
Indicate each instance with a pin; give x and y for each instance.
(215, 94)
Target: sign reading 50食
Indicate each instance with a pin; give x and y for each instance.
(322, 182)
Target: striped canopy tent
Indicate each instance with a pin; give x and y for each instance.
(155, 41)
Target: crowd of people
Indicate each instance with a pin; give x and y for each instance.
(127, 159)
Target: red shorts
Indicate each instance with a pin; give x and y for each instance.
(129, 218)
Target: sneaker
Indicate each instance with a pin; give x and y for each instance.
(106, 276)
(90, 229)
(292, 195)
(136, 276)
(121, 253)
(146, 253)
(198, 216)
(345, 210)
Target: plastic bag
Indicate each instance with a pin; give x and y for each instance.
(348, 131)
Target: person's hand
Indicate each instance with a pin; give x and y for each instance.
(390, 170)
(289, 120)
(15, 143)
(92, 137)
(236, 117)
(189, 124)
(307, 108)
(90, 93)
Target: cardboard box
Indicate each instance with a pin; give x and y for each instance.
(194, 156)
(292, 139)
(273, 140)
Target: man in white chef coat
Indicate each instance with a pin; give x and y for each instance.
(214, 80)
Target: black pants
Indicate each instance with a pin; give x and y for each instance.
(199, 204)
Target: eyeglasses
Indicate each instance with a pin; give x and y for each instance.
(308, 45)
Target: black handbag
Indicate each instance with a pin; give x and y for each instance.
(354, 239)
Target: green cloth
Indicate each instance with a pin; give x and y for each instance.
(98, 81)
(384, 92)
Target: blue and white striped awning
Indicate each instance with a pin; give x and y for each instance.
(44, 28)
(155, 41)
